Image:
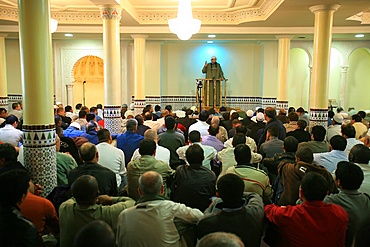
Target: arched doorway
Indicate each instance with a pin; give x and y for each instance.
(88, 86)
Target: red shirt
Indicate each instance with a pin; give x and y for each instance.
(311, 224)
(41, 212)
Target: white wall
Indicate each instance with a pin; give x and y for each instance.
(181, 64)
(172, 67)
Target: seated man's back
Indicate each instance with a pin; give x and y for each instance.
(194, 184)
(255, 180)
(83, 208)
(15, 230)
(145, 163)
(129, 141)
(150, 222)
(234, 213)
(312, 223)
(106, 178)
(209, 152)
(349, 177)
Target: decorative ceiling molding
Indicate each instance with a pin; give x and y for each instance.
(225, 17)
(363, 17)
(216, 17)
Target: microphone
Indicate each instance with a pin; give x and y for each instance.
(84, 82)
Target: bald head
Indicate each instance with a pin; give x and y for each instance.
(88, 152)
(151, 183)
(151, 135)
(215, 120)
(85, 190)
(220, 239)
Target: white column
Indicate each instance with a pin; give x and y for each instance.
(69, 88)
(321, 63)
(343, 82)
(38, 91)
(139, 67)
(283, 70)
(111, 16)
(4, 101)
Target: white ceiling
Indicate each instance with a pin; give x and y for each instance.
(229, 19)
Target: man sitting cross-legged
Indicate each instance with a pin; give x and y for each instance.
(318, 143)
(312, 223)
(209, 152)
(291, 175)
(106, 178)
(151, 221)
(83, 208)
(194, 184)
(234, 213)
(146, 162)
(349, 177)
(255, 179)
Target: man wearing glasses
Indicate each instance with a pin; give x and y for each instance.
(215, 74)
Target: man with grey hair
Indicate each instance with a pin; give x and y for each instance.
(106, 178)
(129, 141)
(151, 221)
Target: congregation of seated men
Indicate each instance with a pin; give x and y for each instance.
(218, 177)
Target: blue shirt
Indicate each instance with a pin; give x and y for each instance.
(72, 132)
(330, 159)
(128, 142)
(92, 136)
(213, 142)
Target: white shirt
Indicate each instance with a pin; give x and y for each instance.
(100, 113)
(112, 158)
(200, 126)
(248, 141)
(333, 130)
(161, 153)
(151, 223)
(11, 135)
(72, 115)
(154, 125)
(365, 186)
(351, 142)
(209, 154)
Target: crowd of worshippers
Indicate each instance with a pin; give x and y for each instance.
(188, 178)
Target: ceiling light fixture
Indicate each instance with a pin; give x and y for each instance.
(53, 25)
(360, 35)
(68, 35)
(211, 36)
(184, 25)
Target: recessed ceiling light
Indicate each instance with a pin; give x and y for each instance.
(211, 36)
(68, 35)
(210, 42)
(360, 35)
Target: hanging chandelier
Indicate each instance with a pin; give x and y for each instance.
(184, 25)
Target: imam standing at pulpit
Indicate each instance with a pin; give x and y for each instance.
(213, 71)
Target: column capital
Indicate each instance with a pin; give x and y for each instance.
(138, 36)
(110, 12)
(324, 7)
(284, 36)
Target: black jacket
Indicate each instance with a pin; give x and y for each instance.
(15, 230)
